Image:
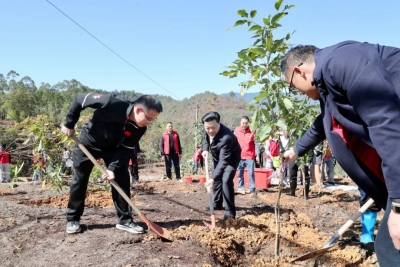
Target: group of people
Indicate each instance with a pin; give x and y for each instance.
(358, 87)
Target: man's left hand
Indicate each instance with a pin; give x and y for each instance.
(180, 156)
(394, 229)
(209, 183)
(257, 159)
(109, 177)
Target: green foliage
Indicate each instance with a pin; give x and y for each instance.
(14, 176)
(275, 107)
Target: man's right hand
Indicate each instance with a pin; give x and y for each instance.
(162, 157)
(67, 132)
(289, 155)
(205, 154)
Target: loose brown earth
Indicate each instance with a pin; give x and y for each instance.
(32, 228)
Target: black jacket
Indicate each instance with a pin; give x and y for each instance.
(225, 150)
(108, 129)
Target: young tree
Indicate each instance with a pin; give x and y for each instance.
(275, 106)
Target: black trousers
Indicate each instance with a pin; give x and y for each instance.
(83, 167)
(134, 168)
(169, 160)
(224, 191)
(387, 254)
(293, 168)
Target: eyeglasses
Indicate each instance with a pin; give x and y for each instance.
(147, 117)
(291, 80)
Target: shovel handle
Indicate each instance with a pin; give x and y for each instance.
(103, 171)
(207, 174)
(350, 222)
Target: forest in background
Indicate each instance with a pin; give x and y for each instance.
(21, 99)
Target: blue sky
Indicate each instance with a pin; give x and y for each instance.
(183, 45)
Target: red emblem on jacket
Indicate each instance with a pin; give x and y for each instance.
(97, 96)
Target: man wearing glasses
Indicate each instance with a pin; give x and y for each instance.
(112, 133)
(358, 87)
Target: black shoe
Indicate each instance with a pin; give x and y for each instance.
(215, 208)
(227, 217)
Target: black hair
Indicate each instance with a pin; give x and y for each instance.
(245, 117)
(211, 116)
(296, 55)
(149, 102)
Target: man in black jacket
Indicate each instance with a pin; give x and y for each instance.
(225, 151)
(111, 134)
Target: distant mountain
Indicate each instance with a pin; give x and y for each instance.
(248, 97)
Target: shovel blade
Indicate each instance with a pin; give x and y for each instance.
(312, 254)
(210, 225)
(158, 230)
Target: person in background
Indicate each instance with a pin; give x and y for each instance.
(196, 159)
(171, 151)
(272, 147)
(328, 166)
(250, 151)
(5, 160)
(134, 165)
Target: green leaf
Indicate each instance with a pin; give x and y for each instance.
(255, 28)
(243, 13)
(262, 95)
(254, 121)
(278, 4)
(257, 50)
(281, 124)
(225, 73)
(26, 141)
(277, 17)
(288, 103)
(242, 56)
(263, 134)
(267, 20)
(239, 22)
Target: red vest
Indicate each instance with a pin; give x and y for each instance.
(273, 147)
(4, 156)
(246, 142)
(166, 142)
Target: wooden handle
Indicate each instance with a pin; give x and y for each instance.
(355, 216)
(103, 171)
(207, 175)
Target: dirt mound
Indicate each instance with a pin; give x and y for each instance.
(95, 198)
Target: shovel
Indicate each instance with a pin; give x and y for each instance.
(158, 230)
(210, 225)
(337, 235)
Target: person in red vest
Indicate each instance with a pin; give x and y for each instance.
(5, 160)
(272, 146)
(250, 151)
(196, 159)
(171, 151)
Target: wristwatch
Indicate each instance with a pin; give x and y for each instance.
(396, 208)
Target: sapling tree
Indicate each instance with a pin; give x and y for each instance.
(275, 108)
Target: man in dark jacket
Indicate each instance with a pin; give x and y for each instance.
(171, 151)
(111, 134)
(358, 87)
(225, 151)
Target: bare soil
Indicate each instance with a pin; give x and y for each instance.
(32, 228)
